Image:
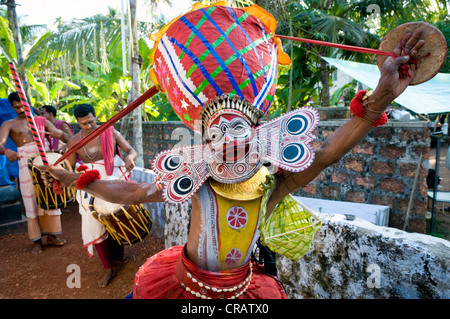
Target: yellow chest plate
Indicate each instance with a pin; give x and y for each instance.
(237, 218)
(237, 225)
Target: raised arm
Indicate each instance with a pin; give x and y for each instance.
(345, 138)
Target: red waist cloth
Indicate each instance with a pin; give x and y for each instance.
(170, 275)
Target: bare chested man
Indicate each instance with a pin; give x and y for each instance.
(40, 222)
(102, 154)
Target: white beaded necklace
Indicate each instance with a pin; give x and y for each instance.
(85, 151)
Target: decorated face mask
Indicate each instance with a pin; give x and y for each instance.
(235, 150)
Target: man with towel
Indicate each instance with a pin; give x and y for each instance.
(40, 221)
(101, 154)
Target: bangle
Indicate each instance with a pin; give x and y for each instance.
(159, 186)
(360, 104)
(88, 177)
(82, 168)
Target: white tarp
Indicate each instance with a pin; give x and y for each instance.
(432, 96)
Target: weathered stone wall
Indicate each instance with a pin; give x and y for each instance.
(356, 259)
(348, 259)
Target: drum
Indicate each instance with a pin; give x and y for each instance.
(126, 224)
(432, 55)
(45, 197)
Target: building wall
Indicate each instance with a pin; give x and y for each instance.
(380, 170)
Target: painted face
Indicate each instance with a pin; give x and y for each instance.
(236, 150)
(230, 134)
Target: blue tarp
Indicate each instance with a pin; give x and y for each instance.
(7, 169)
(430, 97)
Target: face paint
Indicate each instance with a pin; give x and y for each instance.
(231, 136)
(235, 148)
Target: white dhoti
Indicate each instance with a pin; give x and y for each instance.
(40, 221)
(92, 231)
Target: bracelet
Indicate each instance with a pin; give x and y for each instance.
(159, 186)
(360, 104)
(88, 177)
(4, 150)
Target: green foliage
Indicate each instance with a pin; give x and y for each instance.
(444, 26)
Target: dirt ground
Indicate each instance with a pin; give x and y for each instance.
(24, 275)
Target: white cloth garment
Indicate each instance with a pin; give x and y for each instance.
(92, 231)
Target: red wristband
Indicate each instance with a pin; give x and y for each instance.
(87, 178)
(356, 105)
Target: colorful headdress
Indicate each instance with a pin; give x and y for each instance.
(216, 53)
(213, 62)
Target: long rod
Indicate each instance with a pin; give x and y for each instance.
(99, 130)
(339, 46)
(28, 114)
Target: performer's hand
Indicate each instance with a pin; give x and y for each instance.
(51, 173)
(391, 85)
(57, 133)
(129, 163)
(11, 155)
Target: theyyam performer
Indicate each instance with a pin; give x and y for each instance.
(218, 67)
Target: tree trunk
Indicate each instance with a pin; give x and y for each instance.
(135, 70)
(291, 71)
(324, 80)
(14, 26)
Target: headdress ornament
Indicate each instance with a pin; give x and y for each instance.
(217, 53)
(215, 64)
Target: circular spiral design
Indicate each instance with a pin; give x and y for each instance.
(172, 163)
(297, 124)
(182, 186)
(292, 153)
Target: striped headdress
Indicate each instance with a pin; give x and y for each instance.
(217, 57)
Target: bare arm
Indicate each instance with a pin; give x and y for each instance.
(344, 139)
(72, 158)
(5, 130)
(54, 132)
(114, 191)
(126, 147)
(4, 133)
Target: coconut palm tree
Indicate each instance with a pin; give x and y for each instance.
(342, 21)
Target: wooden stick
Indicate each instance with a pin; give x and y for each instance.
(412, 193)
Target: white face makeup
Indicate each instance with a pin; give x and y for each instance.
(230, 136)
(236, 150)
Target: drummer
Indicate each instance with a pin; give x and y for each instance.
(54, 144)
(40, 222)
(102, 154)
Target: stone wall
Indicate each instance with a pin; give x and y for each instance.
(348, 259)
(357, 259)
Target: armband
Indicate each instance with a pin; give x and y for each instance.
(88, 177)
(360, 104)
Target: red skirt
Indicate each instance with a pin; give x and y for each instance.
(170, 275)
